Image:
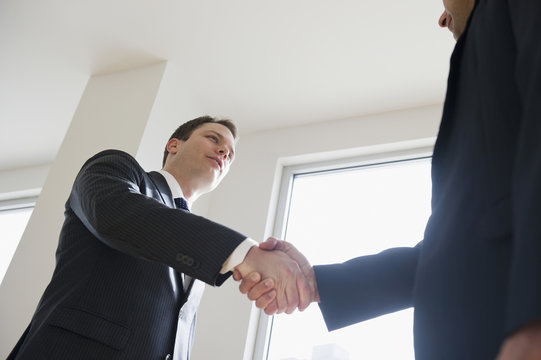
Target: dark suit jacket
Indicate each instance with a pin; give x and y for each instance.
(476, 277)
(113, 294)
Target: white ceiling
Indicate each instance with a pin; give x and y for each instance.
(262, 63)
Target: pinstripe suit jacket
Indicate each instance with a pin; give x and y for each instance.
(113, 294)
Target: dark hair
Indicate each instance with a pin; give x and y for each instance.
(184, 131)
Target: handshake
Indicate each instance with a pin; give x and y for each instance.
(278, 277)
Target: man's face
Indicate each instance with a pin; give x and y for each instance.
(204, 159)
(456, 15)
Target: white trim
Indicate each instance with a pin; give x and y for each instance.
(20, 194)
(20, 203)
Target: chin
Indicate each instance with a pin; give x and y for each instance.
(214, 184)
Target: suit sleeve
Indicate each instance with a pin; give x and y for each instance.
(524, 297)
(110, 196)
(367, 286)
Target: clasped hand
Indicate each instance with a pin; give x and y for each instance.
(278, 277)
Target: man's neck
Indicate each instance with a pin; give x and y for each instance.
(177, 188)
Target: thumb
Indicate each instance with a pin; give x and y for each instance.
(237, 275)
(269, 244)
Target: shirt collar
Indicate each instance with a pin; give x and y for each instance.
(174, 186)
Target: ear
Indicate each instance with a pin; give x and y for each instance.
(173, 145)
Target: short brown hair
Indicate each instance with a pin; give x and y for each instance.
(184, 131)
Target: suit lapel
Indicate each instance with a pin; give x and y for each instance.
(163, 189)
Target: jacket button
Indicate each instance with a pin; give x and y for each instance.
(168, 357)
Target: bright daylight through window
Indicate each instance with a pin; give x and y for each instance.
(12, 224)
(338, 215)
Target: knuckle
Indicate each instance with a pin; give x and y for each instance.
(289, 270)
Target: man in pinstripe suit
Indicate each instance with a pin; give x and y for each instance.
(131, 265)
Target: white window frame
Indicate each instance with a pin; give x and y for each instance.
(18, 203)
(264, 327)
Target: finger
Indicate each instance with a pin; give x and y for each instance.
(292, 305)
(292, 295)
(249, 282)
(236, 275)
(261, 288)
(272, 308)
(281, 303)
(305, 295)
(281, 300)
(266, 299)
(268, 244)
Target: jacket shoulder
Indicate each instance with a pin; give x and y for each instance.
(111, 155)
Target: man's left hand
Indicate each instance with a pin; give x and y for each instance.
(525, 344)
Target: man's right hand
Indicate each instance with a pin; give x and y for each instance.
(291, 287)
(263, 291)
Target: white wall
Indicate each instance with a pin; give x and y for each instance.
(246, 198)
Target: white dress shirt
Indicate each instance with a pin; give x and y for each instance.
(233, 260)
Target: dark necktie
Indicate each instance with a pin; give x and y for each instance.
(181, 203)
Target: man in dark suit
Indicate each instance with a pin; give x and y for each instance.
(131, 259)
(475, 280)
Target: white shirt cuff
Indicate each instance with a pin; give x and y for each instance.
(238, 255)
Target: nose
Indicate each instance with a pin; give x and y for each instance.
(223, 152)
(442, 22)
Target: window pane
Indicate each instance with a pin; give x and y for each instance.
(335, 216)
(12, 225)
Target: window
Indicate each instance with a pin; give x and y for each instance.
(14, 216)
(333, 215)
